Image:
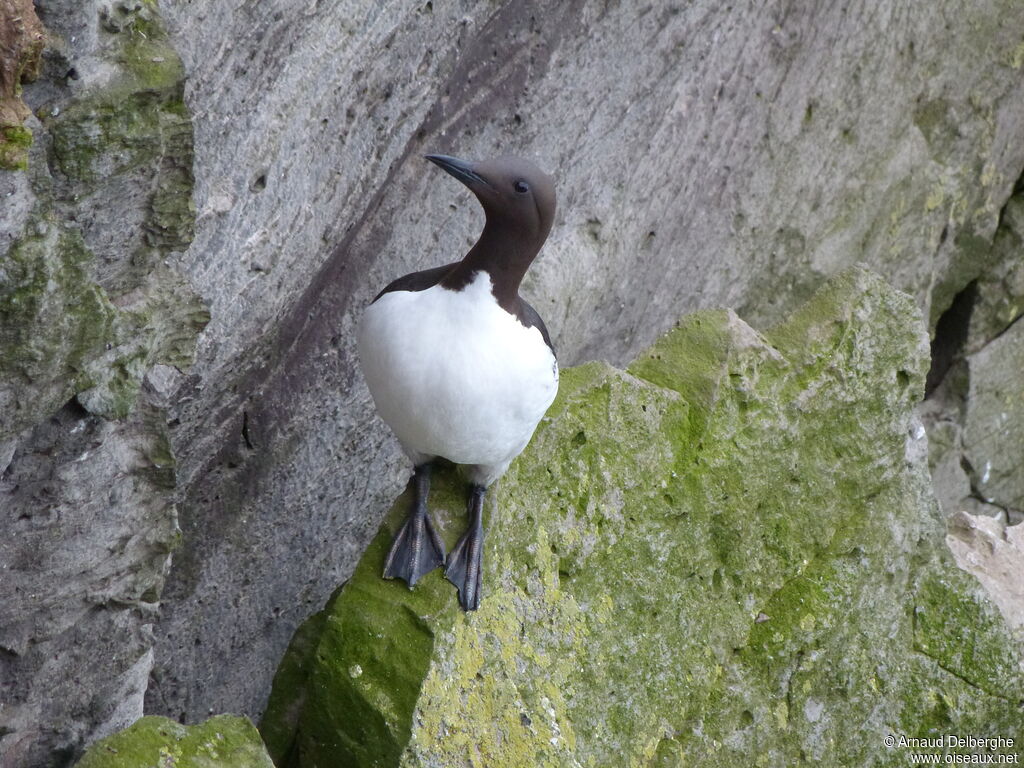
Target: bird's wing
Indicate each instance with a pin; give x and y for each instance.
(417, 281)
(529, 317)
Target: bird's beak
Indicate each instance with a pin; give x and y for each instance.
(460, 169)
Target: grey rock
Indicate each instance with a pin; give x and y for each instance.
(942, 417)
(89, 301)
(994, 553)
(949, 480)
(16, 203)
(972, 367)
(90, 524)
(994, 425)
(1000, 290)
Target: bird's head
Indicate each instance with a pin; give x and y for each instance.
(515, 193)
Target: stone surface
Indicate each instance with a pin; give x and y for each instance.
(90, 302)
(87, 301)
(1000, 290)
(994, 420)
(21, 46)
(87, 508)
(993, 552)
(974, 408)
(225, 741)
(727, 555)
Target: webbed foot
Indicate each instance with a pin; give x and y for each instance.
(465, 564)
(417, 548)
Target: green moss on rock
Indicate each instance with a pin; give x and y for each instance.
(136, 129)
(282, 714)
(62, 334)
(137, 120)
(226, 741)
(53, 321)
(728, 555)
(14, 143)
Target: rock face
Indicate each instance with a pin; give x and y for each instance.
(993, 552)
(975, 409)
(95, 323)
(706, 155)
(220, 742)
(994, 420)
(728, 553)
(91, 525)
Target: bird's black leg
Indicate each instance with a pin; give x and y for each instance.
(466, 560)
(417, 548)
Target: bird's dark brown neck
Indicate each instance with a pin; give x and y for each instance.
(505, 255)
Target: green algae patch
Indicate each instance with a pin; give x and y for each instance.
(54, 323)
(281, 717)
(62, 336)
(117, 129)
(359, 710)
(47, 280)
(727, 555)
(14, 143)
(135, 130)
(225, 741)
(974, 653)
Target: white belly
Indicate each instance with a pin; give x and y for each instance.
(454, 375)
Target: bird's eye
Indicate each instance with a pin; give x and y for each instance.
(522, 187)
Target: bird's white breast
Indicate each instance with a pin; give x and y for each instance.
(455, 375)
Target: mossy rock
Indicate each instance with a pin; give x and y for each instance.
(21, 47)
(134, 132)
(61, 335)
(727, 555)
(14, 143)
(54, 322)
(225, 741)
(75, 322)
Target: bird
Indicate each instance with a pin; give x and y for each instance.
(461, 367)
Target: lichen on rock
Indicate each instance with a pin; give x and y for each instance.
(124, 152)
(53, 322)
(225, 741)
(91, 301)
(86, 310)
(729, 552)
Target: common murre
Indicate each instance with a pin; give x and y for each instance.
(460, 366)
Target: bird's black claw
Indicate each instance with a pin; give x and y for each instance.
(463, 570)
(416, 550)
(465, 563)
